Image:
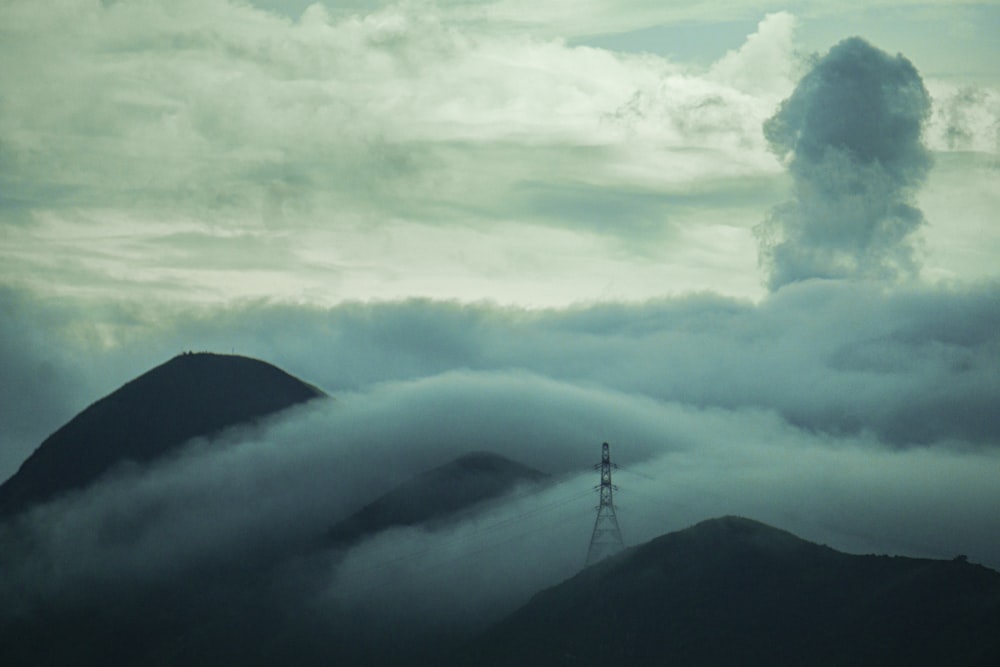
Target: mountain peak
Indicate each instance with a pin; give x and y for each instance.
(191, 395)
(735, 591)
(437, 494)
(731, 530)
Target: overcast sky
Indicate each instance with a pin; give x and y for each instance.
(754, 245)
(521, 152)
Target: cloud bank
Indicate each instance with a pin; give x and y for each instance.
(852, 415)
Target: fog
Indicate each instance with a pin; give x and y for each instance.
(272, 491)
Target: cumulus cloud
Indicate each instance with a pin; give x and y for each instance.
(765, 62)
(852, 136)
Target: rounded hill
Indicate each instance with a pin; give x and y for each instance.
(192, 395)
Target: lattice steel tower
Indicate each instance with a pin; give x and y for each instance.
(607, 537)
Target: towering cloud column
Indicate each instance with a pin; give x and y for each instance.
(851, 136)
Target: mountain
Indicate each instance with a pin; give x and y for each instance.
(255, 610)
(732, 591)
(727, 591)
(436, 495)
(191, 395)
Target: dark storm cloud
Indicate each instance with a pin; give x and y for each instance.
(852, 134)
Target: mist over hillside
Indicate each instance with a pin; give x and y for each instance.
(224, 550)
(433, 497)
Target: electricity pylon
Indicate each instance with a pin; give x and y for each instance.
(607, 537)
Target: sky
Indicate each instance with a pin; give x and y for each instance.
(752, 245)
(205, 152)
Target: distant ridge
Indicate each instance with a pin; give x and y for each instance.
(191, 395)
(436, 494)
(732, 591)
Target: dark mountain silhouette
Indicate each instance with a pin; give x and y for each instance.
(189, 396)
(436, 495)
(732, 591)
(728, 591)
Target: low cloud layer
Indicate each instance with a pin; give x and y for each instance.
(913, 366)
(268, 494)
(851, 415)
(853, 135)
